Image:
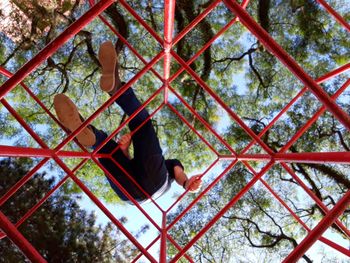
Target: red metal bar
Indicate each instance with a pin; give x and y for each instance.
(222, 104)
(141, 21)
(208, 126)
(307, 157)
(51, 48)
(320, 204)
(39, 152)
(163, 239)
(222, 211)
(321, 227)
(193, 129)
(19, 240)
(35, 207)
(206, 190)
(320, 80)
(313, 119)
(338, 17)
(324, 240)
(169, 12)
(104, 209)
(184, 193)
(289, 62)
(221, 31)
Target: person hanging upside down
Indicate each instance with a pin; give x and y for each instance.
(148, 167)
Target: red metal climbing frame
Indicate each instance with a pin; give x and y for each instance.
(168, 54)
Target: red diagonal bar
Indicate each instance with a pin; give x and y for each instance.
(163, 238)
(320, 80)
(208, 126)
(208, 44)
(19, 240)
(39, 102)
(193, 129)
(184, 193)
(141, 21)
(51, 48)
(324, 240)
(104, 209)
(313, 119)
(35, 207)
(320, 204)
(222, 104)
(321, 227)
(222, 212)
(196, 21)
(338, 17)
(289, 62)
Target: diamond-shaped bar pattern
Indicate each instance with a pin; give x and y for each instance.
(169, 56)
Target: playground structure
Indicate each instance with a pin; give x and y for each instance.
(168, 41)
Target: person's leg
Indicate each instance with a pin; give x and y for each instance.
(114, 169)
(145, 139)
(147, 151)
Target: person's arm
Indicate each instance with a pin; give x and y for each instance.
(125, 142)
(192, 184)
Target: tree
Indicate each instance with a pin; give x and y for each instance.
(60, 230)
(247, 77)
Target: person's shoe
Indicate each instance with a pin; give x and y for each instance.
(69, 116)
(108, 59)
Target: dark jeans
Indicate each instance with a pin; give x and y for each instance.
(148, 166)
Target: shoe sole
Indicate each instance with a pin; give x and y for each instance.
(68, 115)
(108, 59)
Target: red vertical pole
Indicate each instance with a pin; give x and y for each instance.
(163, 238)
(169, 12)
(317, 232)
(51, 48)
(288, 61)
(19, 240)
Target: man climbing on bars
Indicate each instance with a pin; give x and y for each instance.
(148, 168)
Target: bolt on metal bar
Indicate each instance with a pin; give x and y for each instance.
(19, 240)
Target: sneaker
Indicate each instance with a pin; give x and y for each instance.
(108, 59)
(70, 118)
